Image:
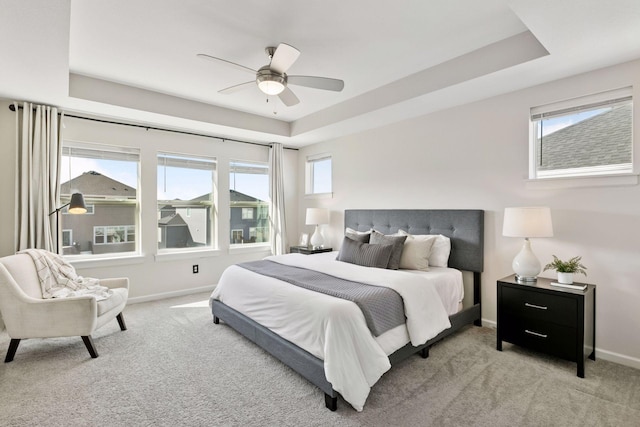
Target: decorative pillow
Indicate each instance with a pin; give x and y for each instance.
(415, 255)
(359, 236)
(440, 251)
(378, 238)
(364, 254)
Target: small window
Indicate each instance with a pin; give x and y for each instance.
(588, 136)
(249, 202)
(247, 213)
(67, 237)
(318, 174)
(185, 201)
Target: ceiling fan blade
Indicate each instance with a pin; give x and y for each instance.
(283, 58)
(236, 88)
(288, 97)
(316, 82)
(233, 64)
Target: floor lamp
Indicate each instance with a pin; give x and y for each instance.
(76, 206)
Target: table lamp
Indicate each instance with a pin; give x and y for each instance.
(527, 222)
(317, 216)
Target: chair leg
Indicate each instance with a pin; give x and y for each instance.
(123, 326)
(13, 346)
(88, 342)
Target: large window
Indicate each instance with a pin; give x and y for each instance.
(249, 202)
(318, 174)
(107, 176)
(185, 201)
(589, 136)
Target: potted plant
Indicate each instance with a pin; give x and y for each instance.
(566, 269)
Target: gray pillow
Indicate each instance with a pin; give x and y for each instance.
(378, 238)
(364, 254)
(357, 236)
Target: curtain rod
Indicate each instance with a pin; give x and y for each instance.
(12, 108)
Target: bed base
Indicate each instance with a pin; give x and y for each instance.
(311, 367)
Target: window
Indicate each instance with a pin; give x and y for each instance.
(318, 174)
(185, 201)
(588, 136)
(107, 176)
(247, 213)
(114, 234)
(249, 202)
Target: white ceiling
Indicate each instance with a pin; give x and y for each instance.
(398, 60)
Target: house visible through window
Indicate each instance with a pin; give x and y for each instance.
(185, 201)
(107, 176)
(249, 202)
(318, 174)
(589, 136)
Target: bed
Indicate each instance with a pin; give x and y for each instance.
(464, 228)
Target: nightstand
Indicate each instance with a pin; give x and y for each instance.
(546, 318)
(308, 250)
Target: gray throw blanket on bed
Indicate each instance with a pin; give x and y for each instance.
(382, 307)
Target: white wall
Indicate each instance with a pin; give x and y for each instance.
(476, 156)
(151, 277)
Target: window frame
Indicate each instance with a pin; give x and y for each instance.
(255, 207)
(104, 151)
(184, 160)
(310, 184)
(568, 108)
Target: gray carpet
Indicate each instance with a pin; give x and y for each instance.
(175, 367)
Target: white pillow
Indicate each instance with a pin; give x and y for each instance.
(440, 251)
(415, 255)
(351, 230)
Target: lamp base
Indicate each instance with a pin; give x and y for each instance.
(526, 264)
(317, 240)
(523, 279)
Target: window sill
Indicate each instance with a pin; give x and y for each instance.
(254, 248)
(582, 181)
(188, 254)
(105, 261)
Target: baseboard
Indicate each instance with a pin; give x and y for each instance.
(609, 356)
(155, 297)
(620, 359)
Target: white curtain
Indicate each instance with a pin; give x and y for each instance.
(276, 193)
(39, 148)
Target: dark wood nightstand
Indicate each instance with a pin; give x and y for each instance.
(308, 250)
(547, 318)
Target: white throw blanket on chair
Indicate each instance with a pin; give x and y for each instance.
(58, 278)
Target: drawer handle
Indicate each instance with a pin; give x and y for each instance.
(536, 334)
(539, 307)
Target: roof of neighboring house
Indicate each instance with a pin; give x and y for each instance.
(94, 184)
(237, 196)
(604, 139)
(172, 220)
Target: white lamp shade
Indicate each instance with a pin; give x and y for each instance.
(527, 222)
(317, 216)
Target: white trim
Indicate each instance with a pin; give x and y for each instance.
(618, 358)
(319, 196)
(250, 248)
(582, 181)
(186, 254)
(165, 295)
(104, 260)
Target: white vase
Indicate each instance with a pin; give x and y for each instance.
(566, 278)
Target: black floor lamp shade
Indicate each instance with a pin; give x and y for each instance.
(76, 206)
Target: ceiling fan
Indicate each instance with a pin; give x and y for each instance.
(272, 78)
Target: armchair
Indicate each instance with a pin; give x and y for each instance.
(27, 315)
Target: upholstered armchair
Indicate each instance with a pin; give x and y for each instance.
(27, 315)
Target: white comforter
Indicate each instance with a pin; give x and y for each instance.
(333, 329)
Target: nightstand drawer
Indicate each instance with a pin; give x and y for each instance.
(541, 336)
(540, 306)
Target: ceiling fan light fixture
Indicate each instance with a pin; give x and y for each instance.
(270, 82)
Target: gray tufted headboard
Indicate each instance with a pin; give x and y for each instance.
(464, 227)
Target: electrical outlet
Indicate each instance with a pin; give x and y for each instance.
(195, 269)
